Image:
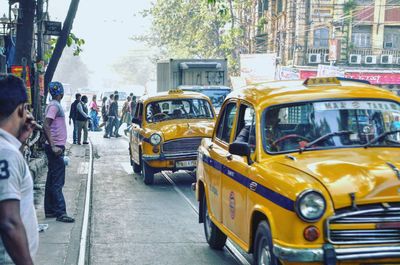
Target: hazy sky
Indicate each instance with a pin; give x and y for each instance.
(106, 27)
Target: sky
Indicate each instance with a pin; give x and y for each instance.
(106, 27)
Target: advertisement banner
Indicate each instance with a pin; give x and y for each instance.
(373, 78)
(258, 67)
(329, 71)
(289, 73)
(333, 50)
(17, 70)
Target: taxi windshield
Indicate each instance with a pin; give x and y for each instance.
(187, 108)
(331, 124)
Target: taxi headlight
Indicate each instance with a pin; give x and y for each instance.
(310, 206)
(155, 139)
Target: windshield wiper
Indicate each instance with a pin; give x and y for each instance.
(381, 136)
(324, 137)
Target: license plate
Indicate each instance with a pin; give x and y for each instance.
(187, 163)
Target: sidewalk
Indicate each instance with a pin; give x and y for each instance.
(59, 244)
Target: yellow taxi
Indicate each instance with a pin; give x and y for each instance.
(167, 129)
(304, 172)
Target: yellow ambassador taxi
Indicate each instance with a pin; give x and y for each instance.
(304, 173)
(167, 129)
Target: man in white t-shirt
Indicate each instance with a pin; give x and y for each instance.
(18, 223)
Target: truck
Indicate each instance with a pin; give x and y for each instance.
(173, 73)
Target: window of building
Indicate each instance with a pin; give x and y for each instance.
(364, 2)
(279, 6)
(361, 37)
(391, 39)
(321, 38)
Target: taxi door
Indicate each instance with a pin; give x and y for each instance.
(217, 158)
(235, 181)
(136, 133)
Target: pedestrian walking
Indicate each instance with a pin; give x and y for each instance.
(72, 117)
(56, 134)
(113, 117)
(94, 110)
(126, 116)
(82, 119)
(103, 112)
(19, 239)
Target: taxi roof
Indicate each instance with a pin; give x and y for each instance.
(172, 95)
(281, 92)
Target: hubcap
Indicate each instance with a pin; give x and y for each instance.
(265, 255)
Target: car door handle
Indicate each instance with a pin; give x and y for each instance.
(210, 147)
(229, 157)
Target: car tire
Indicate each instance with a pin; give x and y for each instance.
(216, 239)
(148, 173)
(263, 246)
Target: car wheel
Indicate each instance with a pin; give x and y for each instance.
(148, 173)
(214, 236)
(263, 247)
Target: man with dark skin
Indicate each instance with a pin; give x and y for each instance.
(18, 222)
(56, 134)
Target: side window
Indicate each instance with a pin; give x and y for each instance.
(139, 110)
(246, 126)
(225, 125)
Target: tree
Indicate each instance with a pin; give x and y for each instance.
(202, 29)
(24, 41)
(61, 43)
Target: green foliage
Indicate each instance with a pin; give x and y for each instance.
(349, 6)
(74, 42)
(197, 29)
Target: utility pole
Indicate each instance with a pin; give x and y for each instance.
(39, 61)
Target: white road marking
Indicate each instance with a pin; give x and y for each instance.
(229, 246)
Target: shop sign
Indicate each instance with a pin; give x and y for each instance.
(373, 78)
(18, 71)
(52, 28)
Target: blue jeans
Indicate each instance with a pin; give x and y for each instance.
(95, 121)
(54, 202)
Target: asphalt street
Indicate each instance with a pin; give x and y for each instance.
(132, 223)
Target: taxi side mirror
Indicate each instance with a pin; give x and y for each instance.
(137, 121)
(241, 149)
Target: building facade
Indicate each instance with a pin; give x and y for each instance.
(360, 36)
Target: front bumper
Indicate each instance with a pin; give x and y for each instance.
(329, 255)
(162, 156)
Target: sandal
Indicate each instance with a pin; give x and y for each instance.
(65, 218)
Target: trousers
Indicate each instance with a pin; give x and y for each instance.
(54, 202)
(82, 125)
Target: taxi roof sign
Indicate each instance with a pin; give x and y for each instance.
(315, 81)
(175, 91)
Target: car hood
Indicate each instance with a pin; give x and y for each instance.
(184, 129)
(372, 174)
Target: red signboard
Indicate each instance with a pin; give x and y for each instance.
(373, 78)
(17, 70)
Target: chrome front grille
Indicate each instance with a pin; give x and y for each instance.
(368, 225)
(184, 145)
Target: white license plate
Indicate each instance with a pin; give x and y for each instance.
(187, 163)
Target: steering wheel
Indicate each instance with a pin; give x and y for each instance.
(159, 116)
(289, 137)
